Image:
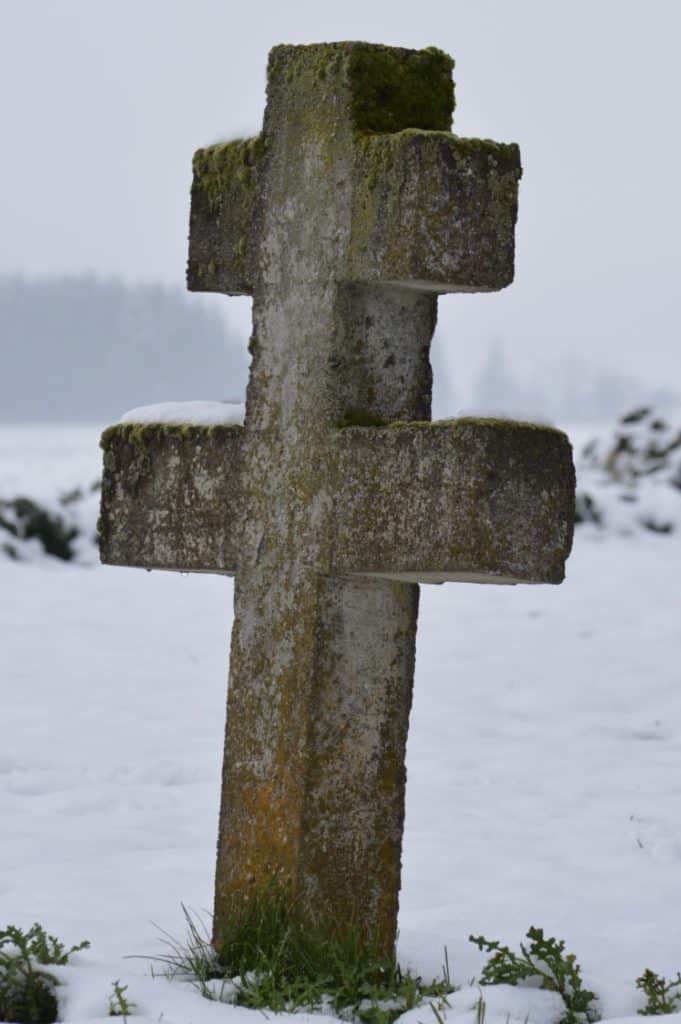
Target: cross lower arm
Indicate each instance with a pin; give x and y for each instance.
(471, 500)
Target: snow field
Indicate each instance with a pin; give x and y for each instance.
(543, 765)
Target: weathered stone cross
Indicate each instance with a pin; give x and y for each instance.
(344, 220)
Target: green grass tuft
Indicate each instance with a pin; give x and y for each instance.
(272, 955)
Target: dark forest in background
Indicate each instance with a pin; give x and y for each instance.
(84, 349)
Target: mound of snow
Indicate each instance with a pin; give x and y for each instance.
(49, 493)
(40, 519)
(629, 478)
(63, 528)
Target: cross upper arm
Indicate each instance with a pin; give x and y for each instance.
(434, 211)
(222, 232)
(471, 500)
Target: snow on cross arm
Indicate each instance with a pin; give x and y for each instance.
(198, 413)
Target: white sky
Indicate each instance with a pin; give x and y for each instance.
(102, 103)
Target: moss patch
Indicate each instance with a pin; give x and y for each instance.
(394, 89)
(391, 88)
(143, 440)
(496, 423)
(360, 418)
(144, 434)
(222, 169)
(222, 245)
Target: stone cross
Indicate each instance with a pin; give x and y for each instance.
(344, 219)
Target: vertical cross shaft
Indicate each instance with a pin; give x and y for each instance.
(321, 667)
(347, 216)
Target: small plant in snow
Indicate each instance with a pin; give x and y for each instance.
(480, 1010)
(542, 959)
(119, 1004)
(27, 991)
(662, 996)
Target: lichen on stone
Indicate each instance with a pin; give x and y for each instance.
(431, 207)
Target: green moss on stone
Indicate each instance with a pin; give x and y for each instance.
(319, 60)
(394, 89)
(391, 88)
(226, 168)
(224, 188)
(379, 155)
(360, 418)
(493, 422)
(504, 424)
(144, 435)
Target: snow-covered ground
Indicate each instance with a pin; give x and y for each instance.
(544, 763)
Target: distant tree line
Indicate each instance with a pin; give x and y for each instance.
(568, 389)
(84, 349)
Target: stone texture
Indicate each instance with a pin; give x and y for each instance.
(222, 240)
(428, 209)
(344, 219)
(170, 497)
(497, 497)
(471, 500)
(434, 212)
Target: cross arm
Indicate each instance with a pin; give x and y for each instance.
(170, 497)
(222, 236)
(476, 500)
(434, 211)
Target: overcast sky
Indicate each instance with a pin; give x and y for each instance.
(104, 101)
